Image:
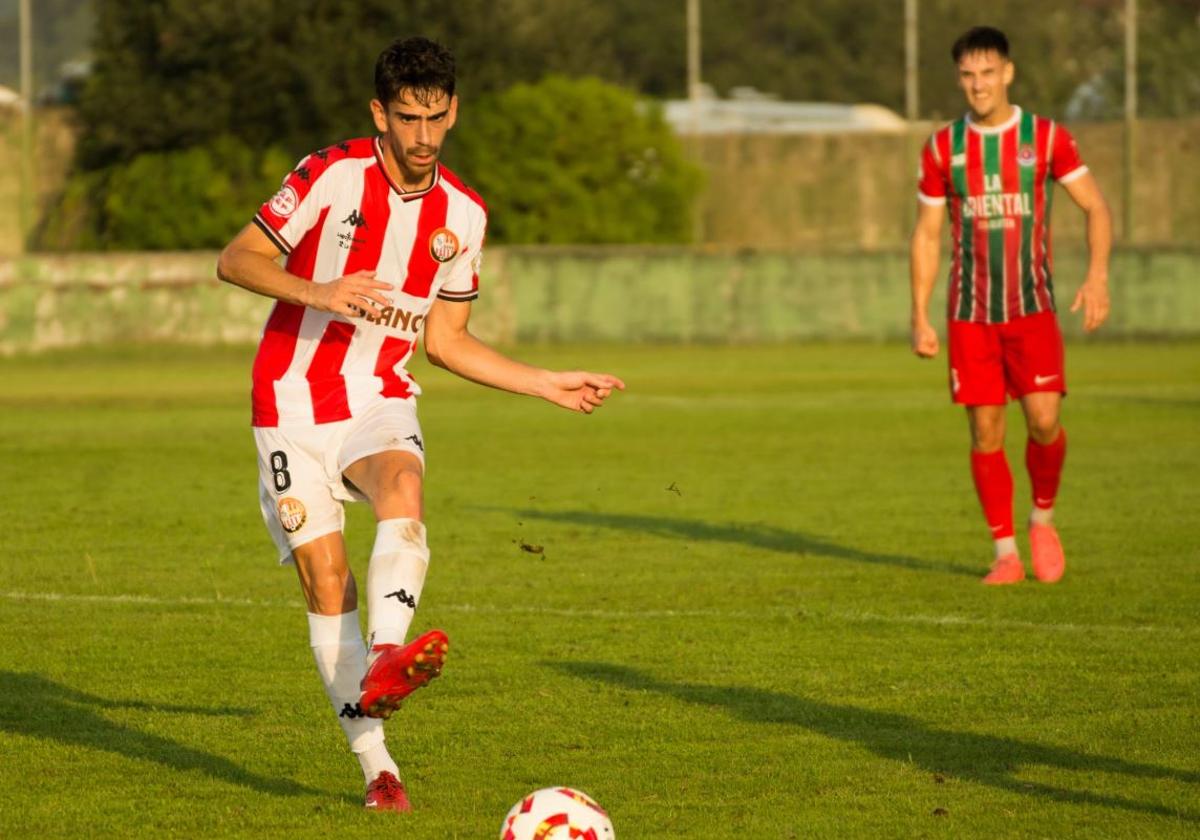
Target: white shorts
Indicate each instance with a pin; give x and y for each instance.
(300, 485)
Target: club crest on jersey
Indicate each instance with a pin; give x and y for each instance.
(443, 245)
(1026, 156)
(292, 514)
(284, 202)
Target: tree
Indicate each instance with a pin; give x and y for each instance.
(576, 160)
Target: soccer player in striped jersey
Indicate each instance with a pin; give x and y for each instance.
(994, 169)
(381, 241)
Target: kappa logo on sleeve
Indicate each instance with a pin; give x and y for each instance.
(443, 245)
(284, 202)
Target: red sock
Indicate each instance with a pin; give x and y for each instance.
(994, 484)
(1045, 463)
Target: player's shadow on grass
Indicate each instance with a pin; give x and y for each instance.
(756, 536)
(983, 759)
(33, 706)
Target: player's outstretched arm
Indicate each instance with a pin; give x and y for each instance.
(449, 344)
(249, 261)
(922, 269)
(1092, 296)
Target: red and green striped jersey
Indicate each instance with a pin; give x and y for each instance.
(997, 182)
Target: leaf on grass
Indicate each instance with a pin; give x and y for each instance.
(532, 549)
(940, 812)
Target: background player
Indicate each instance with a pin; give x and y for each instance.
(994, 167)
(381, 240)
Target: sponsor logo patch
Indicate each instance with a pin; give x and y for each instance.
(959, 160)
(1026, 156)
(284, 202)
(443, 245)
(292, 514)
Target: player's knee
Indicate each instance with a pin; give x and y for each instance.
(1043, 427)
(987, 437)
(401, 486)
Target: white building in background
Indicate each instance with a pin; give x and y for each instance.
(10, 100)
(748, 111)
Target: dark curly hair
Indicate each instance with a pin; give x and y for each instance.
(980, 39)
(416, 65)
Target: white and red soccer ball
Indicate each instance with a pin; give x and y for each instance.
(557, 813)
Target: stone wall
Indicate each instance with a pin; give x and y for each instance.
(661, 294)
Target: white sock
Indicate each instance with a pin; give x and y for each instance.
(341, 656)
(1006, 545)
(1041, 516)
(395, 579)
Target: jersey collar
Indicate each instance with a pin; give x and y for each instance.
(404, 194)
(1012, 120)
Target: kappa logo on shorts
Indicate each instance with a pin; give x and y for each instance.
(284, 202)
(954, 383)
(443, 245)
(292, 514)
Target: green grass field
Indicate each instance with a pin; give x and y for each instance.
(757, 613)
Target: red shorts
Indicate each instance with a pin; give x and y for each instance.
(1018, 358)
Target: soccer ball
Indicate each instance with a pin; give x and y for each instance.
(557, 813)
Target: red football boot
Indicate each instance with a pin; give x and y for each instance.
(1007, 569)
(399, 670)
(386, 793)
(1047, 551)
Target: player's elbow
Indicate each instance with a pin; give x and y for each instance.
(435, 350)
(226, 262)
(1100, 210)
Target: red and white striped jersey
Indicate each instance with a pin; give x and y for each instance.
(337, 213)
(998, 182)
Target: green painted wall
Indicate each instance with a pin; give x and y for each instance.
(666, 294)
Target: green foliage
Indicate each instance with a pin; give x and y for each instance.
(194, 198)
(575, 161)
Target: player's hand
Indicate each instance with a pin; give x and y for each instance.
(355, 295)
(579, 390)
(1093, 297)
(924, 340)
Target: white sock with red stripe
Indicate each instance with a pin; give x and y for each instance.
(395, 578)
(337, 646)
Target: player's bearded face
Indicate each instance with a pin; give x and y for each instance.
(413, 130)
(984, 78)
